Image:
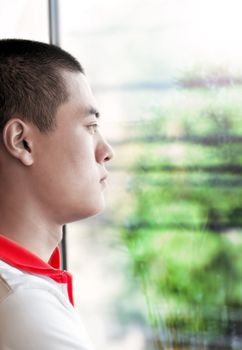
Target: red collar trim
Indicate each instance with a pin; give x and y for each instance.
(16, 255)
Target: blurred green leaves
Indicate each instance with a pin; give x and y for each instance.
(184, 233)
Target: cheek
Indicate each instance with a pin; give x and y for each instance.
(68, 162)
(78, 160)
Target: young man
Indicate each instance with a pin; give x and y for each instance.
(52, 171)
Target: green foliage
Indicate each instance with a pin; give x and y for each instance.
(184, 233)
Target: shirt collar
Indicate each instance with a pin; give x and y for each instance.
(14, 254)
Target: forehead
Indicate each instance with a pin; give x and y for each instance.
(79, 91)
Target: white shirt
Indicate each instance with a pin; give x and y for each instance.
(35, 310)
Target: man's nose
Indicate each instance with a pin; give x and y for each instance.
(109, 152)
(104, 151)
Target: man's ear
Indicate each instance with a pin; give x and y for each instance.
(17, 138)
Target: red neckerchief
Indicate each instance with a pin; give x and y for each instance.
(14, 254)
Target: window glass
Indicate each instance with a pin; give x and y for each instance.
(25, 19)
(161, 268)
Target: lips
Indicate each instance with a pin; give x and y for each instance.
(103, 182)
(104, 177)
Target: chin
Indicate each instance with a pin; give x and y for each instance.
(92, 209)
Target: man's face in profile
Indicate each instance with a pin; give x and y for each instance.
(70, 161)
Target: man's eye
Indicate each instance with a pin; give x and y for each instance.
(92, 128)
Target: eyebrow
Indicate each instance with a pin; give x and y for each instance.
(91, 111)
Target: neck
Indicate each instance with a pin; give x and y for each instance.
(37, 243)
(23, 222)
(23, 217)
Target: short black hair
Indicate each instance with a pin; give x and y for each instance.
(31, 83)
